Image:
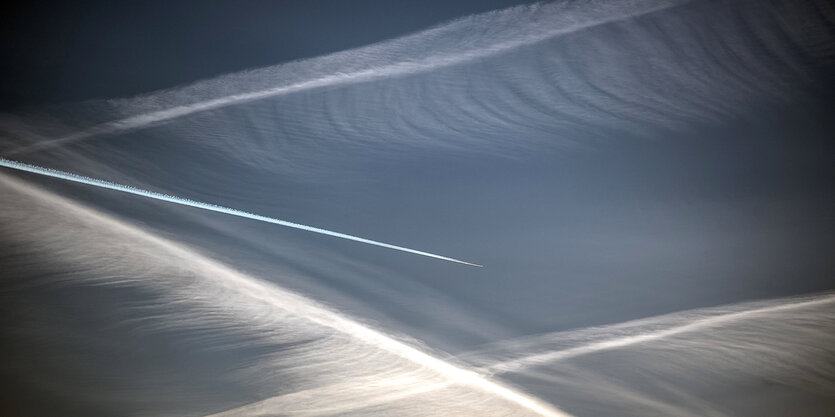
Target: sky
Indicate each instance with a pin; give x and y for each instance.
(648, 186)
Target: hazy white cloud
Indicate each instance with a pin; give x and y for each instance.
(217, 309)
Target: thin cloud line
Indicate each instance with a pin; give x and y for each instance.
(20, 166)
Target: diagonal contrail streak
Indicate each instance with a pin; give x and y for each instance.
(595, 15)
(20, 166)
(535, 359)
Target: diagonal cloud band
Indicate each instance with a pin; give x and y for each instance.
(531, 24)
(20, 166)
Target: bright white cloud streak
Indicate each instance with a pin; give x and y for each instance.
(20, 166)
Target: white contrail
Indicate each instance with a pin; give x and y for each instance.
(595, 14)
(620, 342)
(206, 206)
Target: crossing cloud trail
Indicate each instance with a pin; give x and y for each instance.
(688, 354)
